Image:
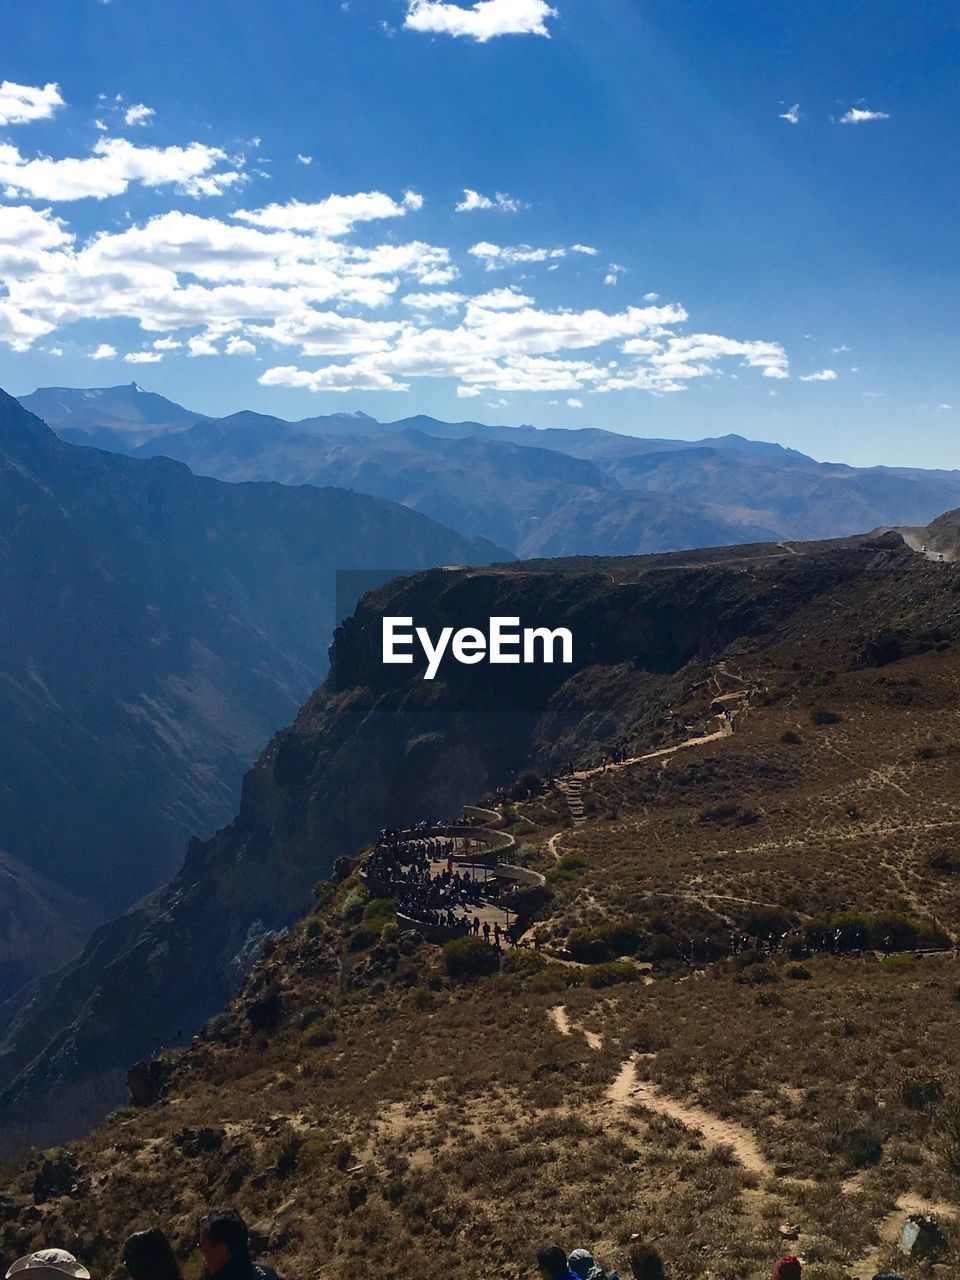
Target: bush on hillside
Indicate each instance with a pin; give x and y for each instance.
(470, 958)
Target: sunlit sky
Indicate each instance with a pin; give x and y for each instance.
(670, 219)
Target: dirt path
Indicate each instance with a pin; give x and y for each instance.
(627, 1090)
(552, 845)
(889, 1231)
(558, 1016)
(725, 730)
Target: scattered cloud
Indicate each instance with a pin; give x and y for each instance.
(858, 115)
(349, 310)
(500, 202)
(651, 297)
(792, 114)
(239, 347)
(24, 103)
(201, 344)
(495, 256)
(574, 404)
(138, 114)
(143, 357)
(438, 301)
(302, 159)
(104, 352)
(823, 375)
(110, 169)
(614, 272)
(481, 21)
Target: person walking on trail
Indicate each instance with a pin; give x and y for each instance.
(476, 925)
(224, 1242)
(486, 931)
(48, 1264)
(552, 1263)
(147, 1255)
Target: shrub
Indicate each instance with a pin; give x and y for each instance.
(470, 958)
(919, 1091)
(791, 738)
(820, 715)
(353, 904)
(380, 911)
(611, 973)
(528, 782)
(522, 961)
(945, 861)
(798, 972)
(604, 941)
(858, 1145)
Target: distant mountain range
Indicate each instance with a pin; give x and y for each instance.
(157, 628)
(547, 492)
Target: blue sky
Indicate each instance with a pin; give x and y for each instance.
(711, 217)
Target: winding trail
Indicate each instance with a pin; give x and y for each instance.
(558, 1016)
(627, 1090)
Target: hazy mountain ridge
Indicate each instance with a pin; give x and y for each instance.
(629, 496)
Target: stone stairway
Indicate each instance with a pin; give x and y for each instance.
(572, 789)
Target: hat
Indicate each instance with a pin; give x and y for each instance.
(581, 1263)
(49, 1264)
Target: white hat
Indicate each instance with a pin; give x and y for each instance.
(49, 1264)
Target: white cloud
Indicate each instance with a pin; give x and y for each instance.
(651, 297)
(438, 301)
(104, 352)
(495, 256)
(474, 200)
(574, 404)
(792, 114)
(467, 393)
(302, 159)
(482, 20)
(614, 272)
(201, 344)
(113, 165)
(239, 347)
(23, 103)
(508, 299)
(143, 357)
(856, 115)
(334, 216)
(138, 114)
(167, 344)
(823, 375)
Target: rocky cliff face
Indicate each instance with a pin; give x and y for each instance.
(157, 628)
(377, 746)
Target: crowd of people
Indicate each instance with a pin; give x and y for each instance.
(224, 1241)
(222, 1238)
(645, 1262)
(449, 898)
